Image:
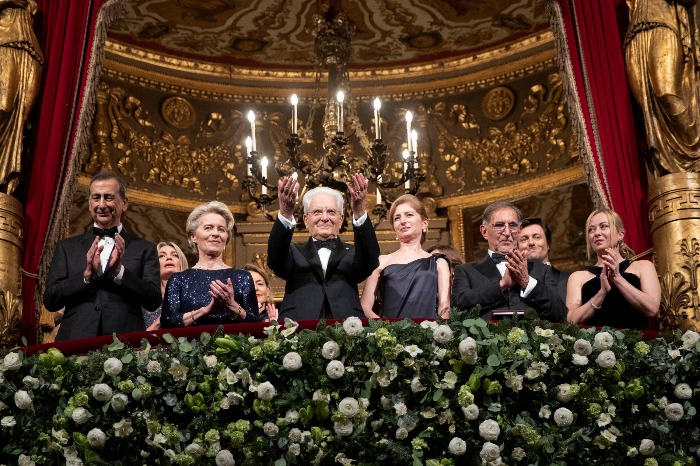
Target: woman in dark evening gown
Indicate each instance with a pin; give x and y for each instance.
(210, 292)
(616, 292)
(410, 282)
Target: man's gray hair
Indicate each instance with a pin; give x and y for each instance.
(322, 190)
(491, 208)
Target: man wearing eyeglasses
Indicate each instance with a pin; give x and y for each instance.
(505, 279)
(322, 273)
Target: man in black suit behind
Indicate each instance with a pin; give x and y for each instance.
(103, 293)
(505, 279)
(322, 274)
(535, 240)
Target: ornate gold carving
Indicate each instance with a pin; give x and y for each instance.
(169, 160)
(690, 250)
(178, 112)
(10, 317)
(506, 151)
(498, 103)
(674, 296)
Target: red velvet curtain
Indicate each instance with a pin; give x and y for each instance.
(591, 34)
(66, 32)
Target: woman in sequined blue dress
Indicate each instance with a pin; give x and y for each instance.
(210, 292)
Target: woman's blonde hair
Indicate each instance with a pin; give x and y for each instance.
(213, 207)
(616, 227)
(254, 268)
(184, 265)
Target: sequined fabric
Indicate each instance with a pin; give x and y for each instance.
(189, 290)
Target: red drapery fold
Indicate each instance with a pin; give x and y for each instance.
(66, 32)
(590, 37)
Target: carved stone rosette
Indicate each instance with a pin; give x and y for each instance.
(674, 212)
(11, 222)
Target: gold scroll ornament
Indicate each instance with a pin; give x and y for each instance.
(674, 212)
(11, 221)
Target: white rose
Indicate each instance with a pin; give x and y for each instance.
(122, 428)
(294, 449)
(400, 409)
(330, 350)
(112, 366)
(8, 421)
(545, 412)
(689, 338)
(348, 406)
(266, 391)
(292, 416)
(564, 393)
(606, 359)
(386, 403)
(224, 458)
(563, 417)
(457, 446)
(674, 353)
(442, 334)
(30, 382)
(194, 450)
(580, 360)
(335, 369)
(632, 452)
(353, 326)
(603, 341)
(674, 412)
(295, 435)
(102, 392)
(321, 395)
(119, 402)
(401, 433)
(12, 361)
(22, 399)
(489, 430)
(604, 419)
(467, 347)
(490, 452)
(518, 454)
(416, 385)
(582, 347)
(25, 460)
(96, 438)
(292, 361)
(210, 360)
(647, 446)
(471, 412)
(270, 429)
(683, 391)
(153, 367)
(343, 428)
(80, 415)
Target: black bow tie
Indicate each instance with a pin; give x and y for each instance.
(108, 232)
(497, 257)
(329, 243)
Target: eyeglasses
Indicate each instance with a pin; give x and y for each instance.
(500, 226)
(316, 213)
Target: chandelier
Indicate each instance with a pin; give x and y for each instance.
(332, 38)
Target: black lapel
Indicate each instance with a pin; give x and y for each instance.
(487, 268)
(309, 251)
(336, 254)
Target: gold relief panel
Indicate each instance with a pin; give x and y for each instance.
(178, 112)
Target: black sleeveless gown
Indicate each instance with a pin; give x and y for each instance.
(410, 290)
(614, 311)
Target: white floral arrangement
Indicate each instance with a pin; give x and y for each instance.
(437, 394)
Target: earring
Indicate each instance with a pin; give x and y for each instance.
(425, 230)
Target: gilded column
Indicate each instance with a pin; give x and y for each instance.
(674, 211)
(11, 221)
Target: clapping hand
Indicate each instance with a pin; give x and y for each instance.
(517, 266)
(115, 258)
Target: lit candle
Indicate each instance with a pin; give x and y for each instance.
(341, 97)
(414, 142)
(251, 119)
(409, 119)
(295, 175)
(377, 123)
(379, 197)
(295, 101)
(248, 148)
(405, 169)
(263, 167)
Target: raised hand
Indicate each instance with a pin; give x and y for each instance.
(357, 187)
(287, 189)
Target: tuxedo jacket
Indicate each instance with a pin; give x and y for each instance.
(478, 283)
(307, 287)
(102, 307)
(558, 279)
